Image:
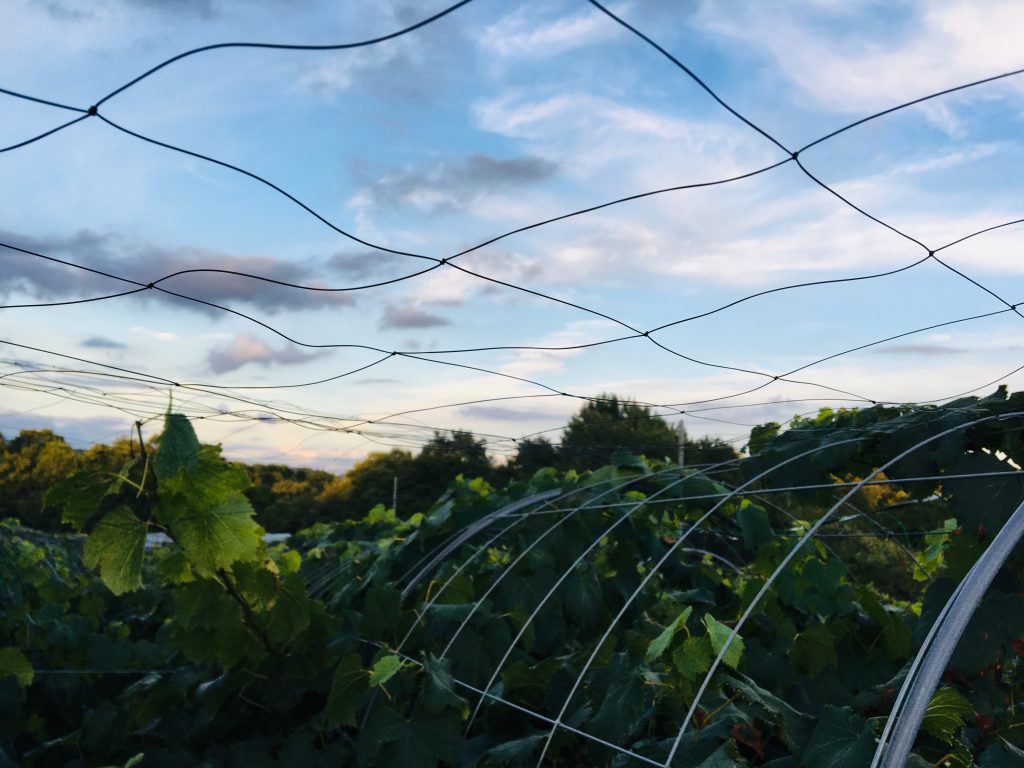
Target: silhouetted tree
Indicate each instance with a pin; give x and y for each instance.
(610, 423)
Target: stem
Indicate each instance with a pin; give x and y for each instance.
(248, 617)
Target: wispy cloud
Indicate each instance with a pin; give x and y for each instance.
(410, 317)
(523, 33)
(101, 342)
(245, 349)
(145, 262)
(367, 264)
(899, 56)
(501, 413)
(453, 185)
(926, 350)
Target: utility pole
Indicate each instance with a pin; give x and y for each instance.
(394, 495)
(681, 444)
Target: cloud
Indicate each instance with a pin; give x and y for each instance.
(415, 67)
(857, 59)
(410, 317)
(928, 350)
(522, 34)
(244, 349)
(499, 413)
(143, 263)
(368, 264)
(454, 185)
(101, 342)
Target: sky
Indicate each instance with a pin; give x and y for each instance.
(377, 165)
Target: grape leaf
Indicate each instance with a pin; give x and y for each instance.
(79, 496)
(1003, 755)
(13, 663)
(693, 658)
(213, 537)
(382, 609)
(438, 686)
(753, 522)
(813, 650)
(384, 669)
(179, 447)
(421, 742)
(658, 645)
(841, 739)
(718, 634)
(289, 615)
(945, 714)
(515, 752)
(794, 726)
(349, 683)
(116, 546)
(624, 701)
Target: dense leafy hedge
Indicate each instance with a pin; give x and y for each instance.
(219, 650)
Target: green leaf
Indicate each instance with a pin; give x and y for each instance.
(438, 686)
(1002, 755)
(214, 537)
(794, 726)
(179, 447)
(79, 496)
(117, 546)
(840, 740)
(174, 568)
(723, 757)
(693, 658)
(384, 669)
(382, 611)
(349, 683)
(13, 663)
(813, 650)
(753, 522)
(623, 702)
(289, 615)
(945, 714)
(516, 752)
(658, 645)
(718, 634)
(422, 742)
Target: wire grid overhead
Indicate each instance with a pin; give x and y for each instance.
(59, 369)
(44, 368)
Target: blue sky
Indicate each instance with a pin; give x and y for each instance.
(497, 116)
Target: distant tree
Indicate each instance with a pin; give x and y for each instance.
(446, 457)
(708, 450)
(286, 499)
(371, 482)
(610, 423)
(761, 435)
(532, 454)
(29, 465)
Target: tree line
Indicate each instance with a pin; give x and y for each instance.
(288, 499)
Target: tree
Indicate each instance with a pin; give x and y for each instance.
(286, 499)
(29, 464)
(445, 458)
(532, 455)
(371, 482)
(608, 424)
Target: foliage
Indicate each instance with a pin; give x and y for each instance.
(365, 643)
(608, 424)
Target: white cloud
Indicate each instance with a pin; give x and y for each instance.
(529, 362)
(523, 33)
(850, 66)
